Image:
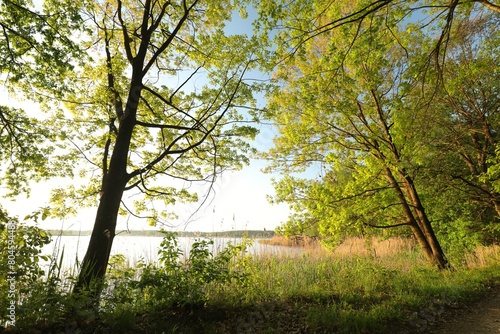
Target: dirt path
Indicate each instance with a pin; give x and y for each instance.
(479, 318)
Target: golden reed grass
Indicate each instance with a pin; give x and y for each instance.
(356, 246)
(388, 250)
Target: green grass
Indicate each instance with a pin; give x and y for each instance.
(358, 294)
(379, 290)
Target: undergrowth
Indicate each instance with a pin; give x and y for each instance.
(373, 287)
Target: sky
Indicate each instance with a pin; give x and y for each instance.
(239, 200)
(238, 203)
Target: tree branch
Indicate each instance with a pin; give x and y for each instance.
(164, 126)
(489, 5)
(170, 38)
(169, 151)
(126, 36)
(386, 226)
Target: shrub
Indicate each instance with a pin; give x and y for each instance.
(20, 270)
(175, 282)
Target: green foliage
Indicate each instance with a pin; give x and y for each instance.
(27, 243)
(37, 43)
(334, 115)
(184, 283)
(174, 284)
(26, 150)
(37, 50)
(368, 121)
(20, 263)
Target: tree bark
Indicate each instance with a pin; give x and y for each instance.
(424, 222)
(95, 262)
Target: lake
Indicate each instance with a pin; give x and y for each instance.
(135, 248)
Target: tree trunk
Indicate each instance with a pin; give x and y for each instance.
(95, 262)
(424, 222)
(422, 241)
(418, 221)
(430, 236)
(496, 205)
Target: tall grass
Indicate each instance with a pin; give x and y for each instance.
(362, 287)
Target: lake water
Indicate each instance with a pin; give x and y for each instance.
(135, 248)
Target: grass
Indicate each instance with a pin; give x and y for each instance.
(363, 287)
(297, 241)
(363, 290)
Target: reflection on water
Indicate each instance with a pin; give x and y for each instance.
(136, 248)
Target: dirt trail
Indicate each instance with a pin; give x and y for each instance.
(482, 317)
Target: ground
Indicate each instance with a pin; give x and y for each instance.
(480, 317)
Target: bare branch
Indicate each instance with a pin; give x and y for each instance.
(164, 126)
(169, 103)
(126, 36)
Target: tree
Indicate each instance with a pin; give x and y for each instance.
(156, 108)
(468, 123)
(35, 49)
(303, 21)
(357, 84)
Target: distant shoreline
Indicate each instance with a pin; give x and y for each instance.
(253, 234)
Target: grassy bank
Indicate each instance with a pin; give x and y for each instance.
(362, 287)
(376, 287)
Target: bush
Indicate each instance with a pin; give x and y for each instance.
(20, 270)
(176, 282)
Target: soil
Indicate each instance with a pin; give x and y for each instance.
(480, 317)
